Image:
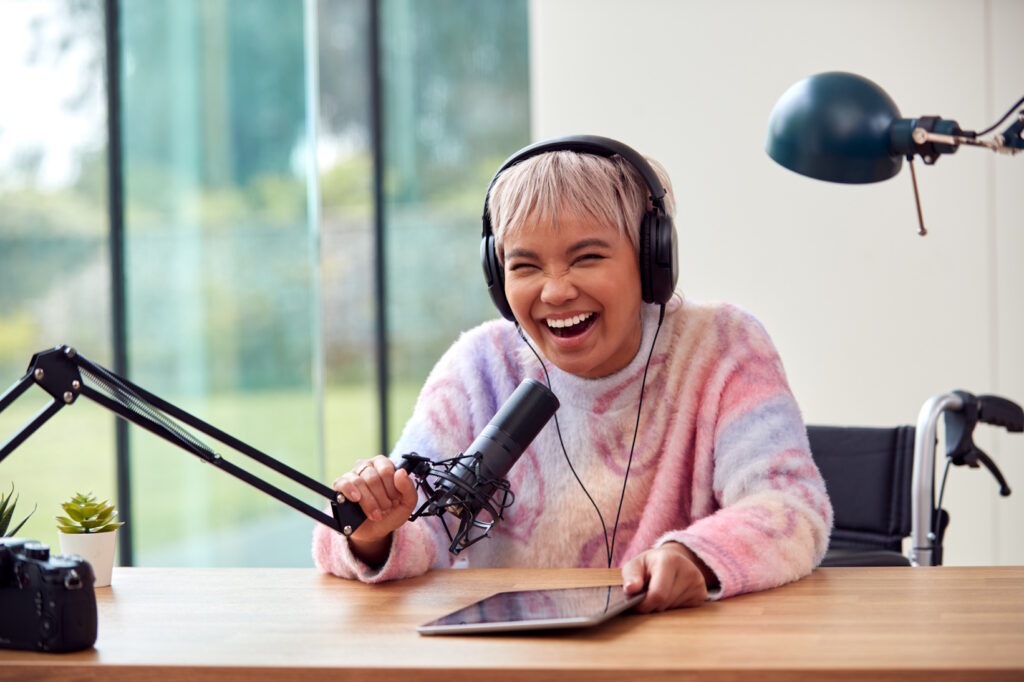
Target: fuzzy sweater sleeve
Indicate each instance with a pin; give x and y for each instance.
(772, 515)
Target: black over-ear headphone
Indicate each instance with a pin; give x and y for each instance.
(659, 268)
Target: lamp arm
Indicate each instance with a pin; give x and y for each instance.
(1011, 140)
(1007, 142)
(60, 371)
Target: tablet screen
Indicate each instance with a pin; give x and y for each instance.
(536, 609)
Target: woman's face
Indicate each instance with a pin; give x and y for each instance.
(576, 291)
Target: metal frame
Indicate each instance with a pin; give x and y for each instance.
(380, 254)
(115, 207)
(923, 540)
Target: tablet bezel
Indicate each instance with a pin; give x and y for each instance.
(561, 622)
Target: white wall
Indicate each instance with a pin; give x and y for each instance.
(870, 318)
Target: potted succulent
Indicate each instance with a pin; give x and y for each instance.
(89, 530)
(7, 504)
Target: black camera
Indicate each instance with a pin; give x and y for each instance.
(47, 602)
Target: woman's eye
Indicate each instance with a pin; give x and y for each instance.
(520, 266)
(589, 257)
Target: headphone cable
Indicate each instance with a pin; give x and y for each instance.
(608, 547)
(636, 429)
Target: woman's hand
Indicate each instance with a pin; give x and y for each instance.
(674, 577)
(386, 496)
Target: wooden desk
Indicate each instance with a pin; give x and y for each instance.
(282, 624)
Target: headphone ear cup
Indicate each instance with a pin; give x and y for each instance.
(659, 264)
(494, 276)
(646, 230)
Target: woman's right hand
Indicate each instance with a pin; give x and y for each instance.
(387, 496)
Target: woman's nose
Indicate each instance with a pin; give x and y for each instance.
(558, 290)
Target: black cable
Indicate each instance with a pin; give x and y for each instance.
(608, 547)
(938, 507)
(629, 463)
(1009, 113)
(558, 430)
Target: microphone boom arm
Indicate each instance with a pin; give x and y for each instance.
(59, 372)
(466, 485)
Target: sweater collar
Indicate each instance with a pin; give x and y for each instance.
(616, 390)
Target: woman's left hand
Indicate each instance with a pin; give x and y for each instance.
(674, 577)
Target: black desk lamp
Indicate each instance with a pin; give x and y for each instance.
(842, 127)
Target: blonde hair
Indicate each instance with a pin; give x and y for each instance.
(607, 190)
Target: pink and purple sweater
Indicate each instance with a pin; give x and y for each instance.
(721, 462)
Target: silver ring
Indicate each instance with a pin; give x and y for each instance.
(363, 468)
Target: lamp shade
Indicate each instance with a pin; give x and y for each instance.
(835, 126)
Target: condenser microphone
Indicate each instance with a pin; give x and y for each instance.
(472, 487)
(480, 470)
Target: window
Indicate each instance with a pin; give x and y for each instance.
(249, 237)
(54, 253)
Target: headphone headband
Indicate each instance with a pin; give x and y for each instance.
(582, 144)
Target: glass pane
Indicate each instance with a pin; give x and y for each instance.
(54, 256)
(221, 270)
(456, 94)
(345, 156)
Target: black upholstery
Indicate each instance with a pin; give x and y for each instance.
(867, 473)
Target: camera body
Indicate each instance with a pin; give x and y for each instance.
(47, 603)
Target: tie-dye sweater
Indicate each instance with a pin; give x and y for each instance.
(721, 463)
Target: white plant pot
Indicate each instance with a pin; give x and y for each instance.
(96, 548)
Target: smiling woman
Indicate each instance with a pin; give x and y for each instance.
(710, 482)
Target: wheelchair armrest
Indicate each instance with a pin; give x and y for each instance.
(853, 557)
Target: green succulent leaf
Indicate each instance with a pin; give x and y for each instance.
(8, 503)
(5, 520)
(6, 511)
(73, 510)
(110, 527)
(18, 527)
(105, 515)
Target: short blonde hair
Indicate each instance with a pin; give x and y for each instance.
(608, 190)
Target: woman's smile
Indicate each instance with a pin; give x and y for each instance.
(571, 327)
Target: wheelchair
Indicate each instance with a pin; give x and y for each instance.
(882, 480)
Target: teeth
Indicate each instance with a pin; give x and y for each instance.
(569, 321)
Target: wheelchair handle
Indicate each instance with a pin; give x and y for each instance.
(989, 409)
(996, 410)
(965, 411)
(922, 536)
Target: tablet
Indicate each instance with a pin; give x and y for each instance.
(573, 607)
